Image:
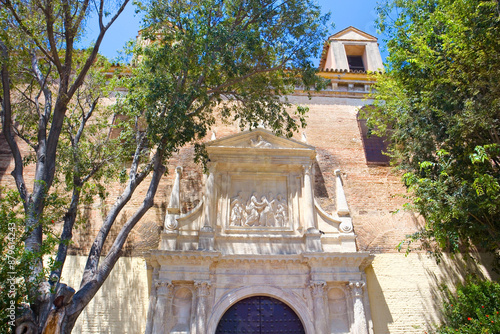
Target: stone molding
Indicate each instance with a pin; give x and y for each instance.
(199, 258)
(287, 297)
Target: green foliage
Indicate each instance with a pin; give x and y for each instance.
(439, 102)
(473, 308)
(231, 60)
(88, 157)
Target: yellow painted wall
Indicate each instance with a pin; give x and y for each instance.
(121, 305)
(405, 294)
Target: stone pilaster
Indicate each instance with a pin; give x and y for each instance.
(318, 294)
(312, 235)
(203, 291)
(309, 217)
(206, 233)
(163, 308)
(359, 308)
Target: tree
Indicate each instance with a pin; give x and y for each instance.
(42, 77)
(240, 56)
(197, 61)
(438, 102)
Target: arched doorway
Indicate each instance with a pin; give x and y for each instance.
(260, 315)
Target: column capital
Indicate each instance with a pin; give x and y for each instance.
(211, 167)
(317, 288)
(307, 168)
(203, 288)
(164, 288)
(356, 287)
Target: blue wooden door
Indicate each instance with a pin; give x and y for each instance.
(260, 315)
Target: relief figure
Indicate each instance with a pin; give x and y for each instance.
(253, 210)
(269, 212)
(281, 211)
(260, 143)
(267, 215)
(238, 214)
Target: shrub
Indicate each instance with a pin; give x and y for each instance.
(473, 308)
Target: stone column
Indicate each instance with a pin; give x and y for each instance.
(313, 242)
(318, 294)
(163, 309)
(359, 308)
(206, 234)
(203, 291)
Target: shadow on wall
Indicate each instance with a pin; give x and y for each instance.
(405, 291)
(319, 182)
(325, 179)
(120, 306)
(83, 233)
(380, 313)
(453, 270)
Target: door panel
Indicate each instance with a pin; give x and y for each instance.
(260, 315)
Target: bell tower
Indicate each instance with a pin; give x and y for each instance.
(351, 50)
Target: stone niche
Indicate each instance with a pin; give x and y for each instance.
(258, 232)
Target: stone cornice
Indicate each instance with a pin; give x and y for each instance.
(196, 258)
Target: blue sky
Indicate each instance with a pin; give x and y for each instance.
(344, 13)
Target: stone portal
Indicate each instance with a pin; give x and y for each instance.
(258, 237)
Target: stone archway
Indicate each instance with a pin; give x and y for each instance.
(260, 314)
(297, 305)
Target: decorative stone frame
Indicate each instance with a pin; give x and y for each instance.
(289, 183)
(234, 296)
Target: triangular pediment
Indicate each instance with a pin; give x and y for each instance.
(353, 34)
(258, 139)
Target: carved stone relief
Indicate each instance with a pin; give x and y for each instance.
(259, 210)
(260, 143)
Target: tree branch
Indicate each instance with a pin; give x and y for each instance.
(89, 288)
(48, 10)
(24, 138)
(95, 50)
(42, 119)
(96, 249)
(243, 78)
(17, 173)
(27, 31)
